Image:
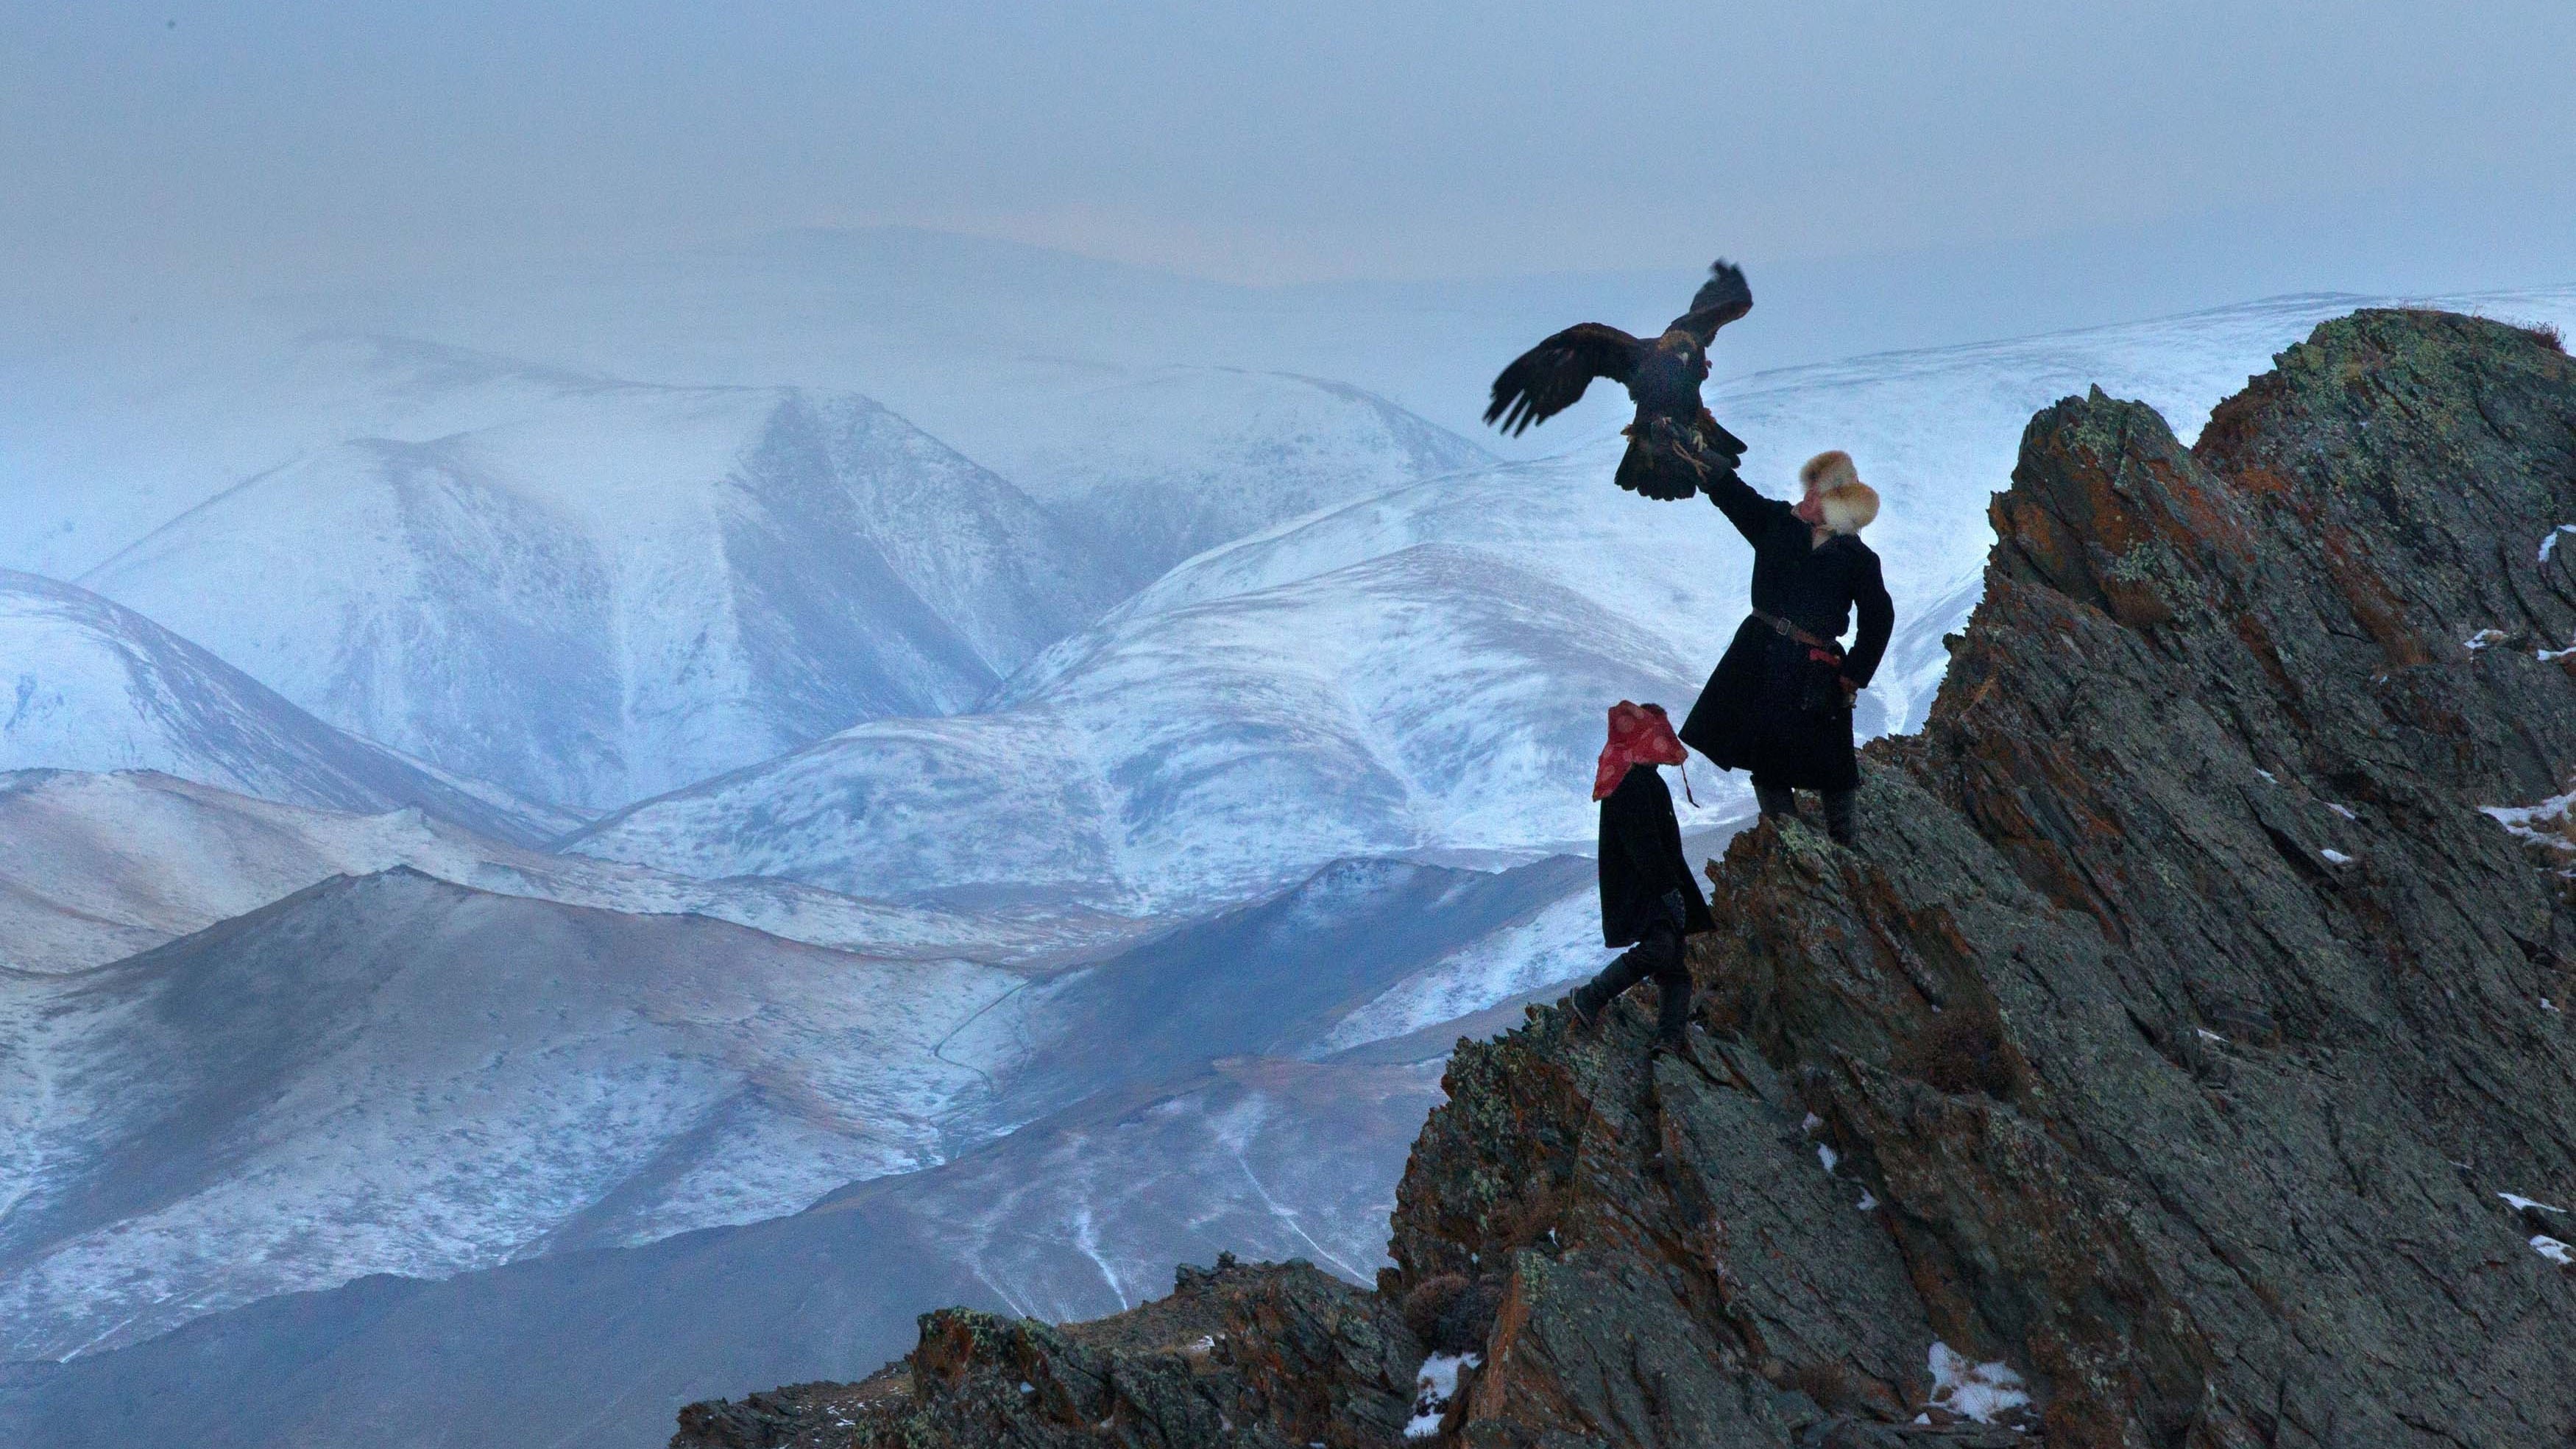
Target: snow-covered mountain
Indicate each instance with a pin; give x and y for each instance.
(594, 590)
(97, 867)
(93, 686)
(394, 1073)
(1151, 470)
(616, 589)
(1428, 699)
(1424, 670)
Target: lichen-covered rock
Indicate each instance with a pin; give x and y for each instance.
(2168, 1066)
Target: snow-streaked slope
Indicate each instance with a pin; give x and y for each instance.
(1263, 1159)
(1086, 1213)
(88, 685)
(1560, 942)
(96, 867)
(1429, 698)
(1073, 1215)
(397, 1074)
(1167, 1156)
(617, 589)
(1272, 979)
(1152, 470)
(1425, 669)
(394, 1073)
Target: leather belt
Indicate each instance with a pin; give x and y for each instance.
(1792, 631)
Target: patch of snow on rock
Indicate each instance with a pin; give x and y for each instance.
(2554, 1250)
(1979, 1391)
(2518, 1202)
(1437, 1385)
(2335, 857)
(2545, 823)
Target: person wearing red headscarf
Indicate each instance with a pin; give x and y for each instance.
(1648, 899)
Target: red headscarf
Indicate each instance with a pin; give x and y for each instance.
(1640, 734)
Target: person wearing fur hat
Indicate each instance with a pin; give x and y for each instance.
(1648, 900)
(1779, 704)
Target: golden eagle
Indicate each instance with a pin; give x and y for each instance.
(1674, 445)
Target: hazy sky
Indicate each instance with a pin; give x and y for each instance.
(245, 143)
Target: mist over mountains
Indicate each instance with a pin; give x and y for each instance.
(987, 760)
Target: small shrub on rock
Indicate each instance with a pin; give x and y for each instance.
(1452, 1313)
(1962, 1051)
(1826, 1383)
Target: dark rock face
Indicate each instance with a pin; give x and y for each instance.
(2171, 1041)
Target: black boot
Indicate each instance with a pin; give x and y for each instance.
(1657, 956)
(1842, 815)
(1672, 1017)
(1584, 1004)
(1776, 799)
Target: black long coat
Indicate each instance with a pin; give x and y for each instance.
(1641, 860)
(1748, 717)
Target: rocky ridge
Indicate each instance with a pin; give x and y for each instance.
(2181, 1060)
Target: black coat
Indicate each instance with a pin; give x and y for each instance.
(1751, 716)
(1641, 859)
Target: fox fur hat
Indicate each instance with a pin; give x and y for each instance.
(1849, 503)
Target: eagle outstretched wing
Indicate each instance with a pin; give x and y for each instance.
(1551, 377)
(1721, 299)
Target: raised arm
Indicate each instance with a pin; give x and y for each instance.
(1752, 514)
(1877, 620)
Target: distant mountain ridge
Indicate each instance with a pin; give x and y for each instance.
(1150, 471)
(95, 686)
(619, 588)
(98, 867)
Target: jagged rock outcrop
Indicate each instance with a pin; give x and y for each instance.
(1256, 1356)
(2177, 1062)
